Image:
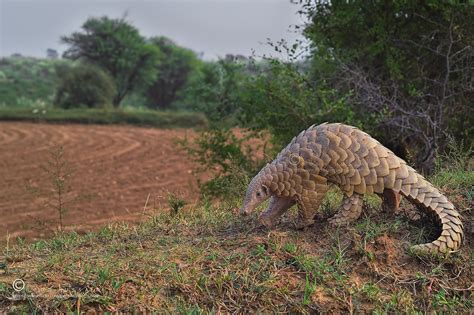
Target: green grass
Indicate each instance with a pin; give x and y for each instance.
(150, 118)
(206, 259)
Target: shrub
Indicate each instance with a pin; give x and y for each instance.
(83, 85)
(229, 158)
(284, 100)
(279, 100)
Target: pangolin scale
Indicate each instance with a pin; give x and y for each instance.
(358, 164)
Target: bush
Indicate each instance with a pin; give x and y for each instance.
(279, 99)
(84, 85)
(284, 100)
(229, 158)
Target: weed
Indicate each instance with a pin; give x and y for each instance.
(175, 203)
(57, 170)
(339, 252)
(309, 288)
(290, 248)
(371, 229)
(103, 275)
(371, 292)
(442, 301)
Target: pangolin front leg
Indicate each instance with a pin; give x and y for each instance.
(349, 211)
(277, 206)
(308, 205)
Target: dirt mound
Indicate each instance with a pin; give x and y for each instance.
(115, 169)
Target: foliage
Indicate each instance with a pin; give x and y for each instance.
(215, 90)
(177, 119)
(228, 157)
(411, 61)
(176, 64)
(117, 47)
(84, 85)
(27, 81)
(285, 101)
(278, 98)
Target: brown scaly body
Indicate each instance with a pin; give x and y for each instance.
(357, 164)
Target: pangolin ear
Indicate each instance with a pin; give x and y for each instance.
(265, 189)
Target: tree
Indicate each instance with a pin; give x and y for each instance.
(173, 71)
(117, 47)
(83, 85)
(215, 90)
(410, 62)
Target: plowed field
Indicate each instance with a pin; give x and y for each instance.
(115, 171)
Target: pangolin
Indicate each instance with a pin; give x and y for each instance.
(358, 164)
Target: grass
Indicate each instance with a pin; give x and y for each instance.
(207, 260)
(150, 118)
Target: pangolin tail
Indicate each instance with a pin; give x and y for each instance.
(423, 193)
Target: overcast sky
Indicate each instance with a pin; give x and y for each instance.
(214, 28)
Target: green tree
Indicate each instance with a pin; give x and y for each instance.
(117, 47)
(173, 71)
(83, 85)
(411, 61)
(284, 100)
(215, 90)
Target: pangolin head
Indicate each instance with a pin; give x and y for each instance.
(257, 192)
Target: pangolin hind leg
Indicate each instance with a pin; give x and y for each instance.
(349, 211)
(276, 207)
(390, 200)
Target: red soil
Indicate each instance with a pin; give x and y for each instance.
(115, 169)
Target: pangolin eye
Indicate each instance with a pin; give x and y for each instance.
(258, 194)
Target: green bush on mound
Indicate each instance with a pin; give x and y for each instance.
(84, 85)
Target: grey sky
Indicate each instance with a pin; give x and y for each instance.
(215, 27)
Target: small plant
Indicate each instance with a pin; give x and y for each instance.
(175, 203)
(103, 275)
(442, 301)
(371, 291)
(57, 169)
(290, 248)
(309, 288)
(58, 194)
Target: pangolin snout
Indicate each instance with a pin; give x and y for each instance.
(243, 212)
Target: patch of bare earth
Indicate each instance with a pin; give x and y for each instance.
(115, 170)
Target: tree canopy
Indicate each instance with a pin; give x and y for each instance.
(410, 62)
(117, 47)
(176, 65)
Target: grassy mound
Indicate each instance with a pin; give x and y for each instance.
(207, 259)
(96, 116)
